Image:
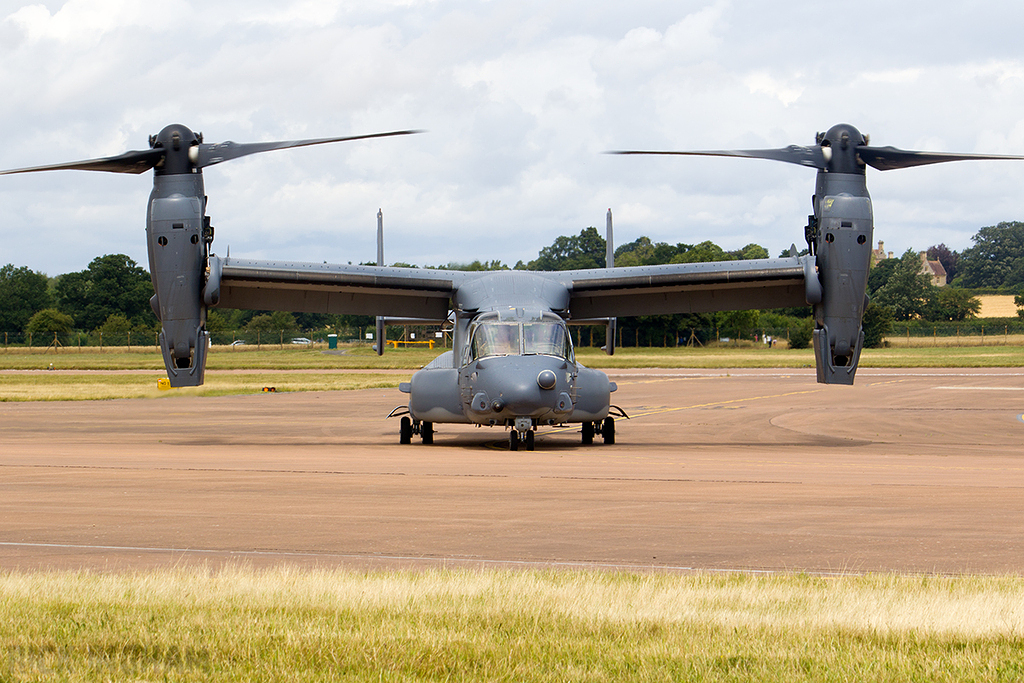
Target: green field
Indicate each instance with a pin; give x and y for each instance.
(291, 625)
(121, 373)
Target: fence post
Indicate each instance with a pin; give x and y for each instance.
(129, 340)
(982, 335)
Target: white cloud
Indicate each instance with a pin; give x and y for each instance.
(760, 82)
(519, 97)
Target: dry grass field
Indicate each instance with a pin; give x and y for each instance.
(243, 625)
(997, 306)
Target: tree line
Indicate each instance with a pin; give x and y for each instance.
(110, 299)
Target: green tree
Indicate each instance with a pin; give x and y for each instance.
(273, 323)
(880, 274)
(115, 330)
(1019, 300)
(951, 303)
(702, 253)
(751, 251)
(639, 252)
(996, 259)
(801, 334)
(23, 293)
(48, 322)
(876, 323)
(586, 250)
(111, 284)
(737, 324)
(907, 290)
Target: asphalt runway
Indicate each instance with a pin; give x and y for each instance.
(724, 470)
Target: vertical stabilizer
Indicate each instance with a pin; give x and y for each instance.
(380, 262)
(609, 262)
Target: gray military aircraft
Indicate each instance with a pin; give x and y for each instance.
(512, 364)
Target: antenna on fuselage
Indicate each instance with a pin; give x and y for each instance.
(380, 262)
(609, 262)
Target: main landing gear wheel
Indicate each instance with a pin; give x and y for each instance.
(513, 440)
(427, 432)
(608, 431)
(588, 433)
(405, 431)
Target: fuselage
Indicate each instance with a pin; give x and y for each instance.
(510, 365)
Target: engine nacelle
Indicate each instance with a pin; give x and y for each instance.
(177, 265)
(843, 248)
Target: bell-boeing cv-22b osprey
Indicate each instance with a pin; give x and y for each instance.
(512, 363)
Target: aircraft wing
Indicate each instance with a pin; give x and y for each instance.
(331, 288)
(693, 287)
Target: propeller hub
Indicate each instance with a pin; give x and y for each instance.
(842, 141)
(177, 141)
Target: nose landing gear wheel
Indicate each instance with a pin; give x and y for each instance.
(513, 440)
(588, 433)
(529, 441)
(427, 432)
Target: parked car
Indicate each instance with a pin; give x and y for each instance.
(238, 342)
(301, 340)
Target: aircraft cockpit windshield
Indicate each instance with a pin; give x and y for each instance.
(500, 338)
(496, 339)
(547, 338)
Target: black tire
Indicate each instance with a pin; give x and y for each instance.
(608, 430)
(529, 441)
(588, 433)
(427, 432)
(405, 431)
(513, 440)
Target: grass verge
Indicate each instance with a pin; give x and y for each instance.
(362, 358)
(94, 375)
(238, 624)
(89, 386)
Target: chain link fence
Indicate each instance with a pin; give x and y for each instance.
(918, 333)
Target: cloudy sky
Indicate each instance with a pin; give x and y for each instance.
(520, 99)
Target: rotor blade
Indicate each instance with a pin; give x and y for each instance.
(138, 161)
(225, 151)
(889, 158)
(804, 156)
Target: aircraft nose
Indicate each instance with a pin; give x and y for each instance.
(536, 386)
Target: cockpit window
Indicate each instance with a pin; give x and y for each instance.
(549, 339)
(496, 339)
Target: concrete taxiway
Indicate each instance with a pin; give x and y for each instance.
(725, 470)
